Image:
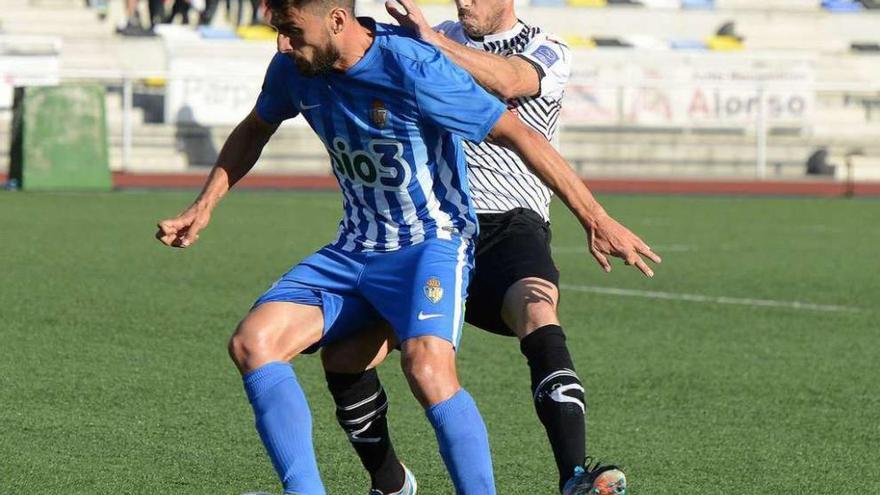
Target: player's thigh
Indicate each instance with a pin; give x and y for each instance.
(312, 304)
(512, 247)
(361, 350)
(420, 289)
(275, 331)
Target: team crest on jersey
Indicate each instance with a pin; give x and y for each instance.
(379, 113)
(433, 290)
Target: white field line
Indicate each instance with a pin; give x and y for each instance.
(673, 296)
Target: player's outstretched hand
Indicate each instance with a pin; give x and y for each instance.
(610, 238)
(412, 18)
(183, 230)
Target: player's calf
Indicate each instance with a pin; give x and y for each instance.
(559, 396)
(429, 365)
(530, 304)
(361, 409)
(264, 342)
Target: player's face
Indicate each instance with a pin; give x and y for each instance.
(480, 17)
(304, 36)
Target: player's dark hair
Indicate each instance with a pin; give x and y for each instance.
(278, 7)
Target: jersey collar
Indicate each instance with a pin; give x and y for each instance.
(370, 54)
(503, 35)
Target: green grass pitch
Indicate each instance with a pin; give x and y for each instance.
(114, 376)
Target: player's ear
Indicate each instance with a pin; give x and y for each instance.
(338, 17)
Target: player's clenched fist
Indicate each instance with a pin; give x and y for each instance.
(183, 230)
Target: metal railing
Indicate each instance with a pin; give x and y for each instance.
(759, 124)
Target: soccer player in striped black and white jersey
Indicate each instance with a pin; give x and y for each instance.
(514, 288)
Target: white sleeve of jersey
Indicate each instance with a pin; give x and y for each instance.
(552, 58)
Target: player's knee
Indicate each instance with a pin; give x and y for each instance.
(423, 372)
(251, 346)
(429, 366)
(243, 346)
(530, 304)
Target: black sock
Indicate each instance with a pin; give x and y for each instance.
(361, 406)
(559, 397)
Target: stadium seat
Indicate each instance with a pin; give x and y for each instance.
(841, 5)
(698, 4)
(611, 43)
(256, 33)
(724, 43)
(646, 42)
(579, 41)
(865, 47)
(687, 44)
(588, 3)
(155, 82)
(176, 32)
(210, 33)
(662, 4)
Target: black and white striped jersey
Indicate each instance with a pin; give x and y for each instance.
(498, 179)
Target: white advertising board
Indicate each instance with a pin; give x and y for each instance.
(672, 89)
(27, 61)
(213, 82)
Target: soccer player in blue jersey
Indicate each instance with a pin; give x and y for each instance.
(391, 111)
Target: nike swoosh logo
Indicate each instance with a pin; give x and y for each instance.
(308, 107)
(428, 316)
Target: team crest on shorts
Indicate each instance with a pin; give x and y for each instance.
(379, 113)
(433, 290)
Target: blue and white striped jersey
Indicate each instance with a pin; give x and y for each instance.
(393, 125)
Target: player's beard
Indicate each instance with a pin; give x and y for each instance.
(476, 29)
(321, 63)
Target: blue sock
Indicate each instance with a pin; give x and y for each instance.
(464, 444)
(284, 422)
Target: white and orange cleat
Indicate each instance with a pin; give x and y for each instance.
(596, 480)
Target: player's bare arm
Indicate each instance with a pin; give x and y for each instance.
(605, 235)
(506, 77)
(238, 155)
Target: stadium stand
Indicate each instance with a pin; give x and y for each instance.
(662, 100)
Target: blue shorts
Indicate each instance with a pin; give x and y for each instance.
(420, 289)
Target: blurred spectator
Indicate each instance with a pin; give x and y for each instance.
(181, 7)
(257, 7)
(237, 5)
(818, 164)
(729, 29)
(99, 6)
(133, 25)
(208, 14)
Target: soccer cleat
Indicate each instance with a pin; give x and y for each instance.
(410, 487)
(596, 480)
